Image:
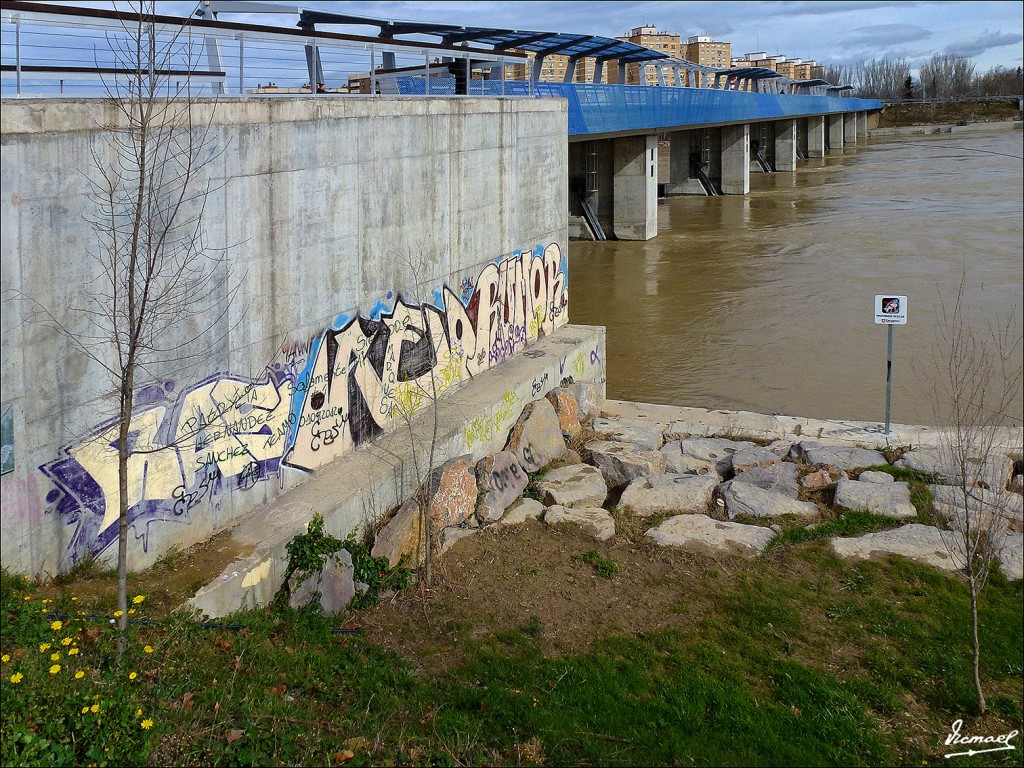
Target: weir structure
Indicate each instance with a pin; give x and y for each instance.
(385, 245)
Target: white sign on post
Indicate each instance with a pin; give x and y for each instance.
(890, 310)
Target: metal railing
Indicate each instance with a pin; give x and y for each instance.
(81, 52)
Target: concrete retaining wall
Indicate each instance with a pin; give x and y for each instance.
(376, 245)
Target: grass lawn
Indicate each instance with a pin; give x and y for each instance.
(797, 658)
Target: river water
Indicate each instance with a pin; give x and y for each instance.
(765, 302)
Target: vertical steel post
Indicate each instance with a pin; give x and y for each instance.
(426, 70)
(17, 53)
(241, 63)
(888, 382)
(373, 71)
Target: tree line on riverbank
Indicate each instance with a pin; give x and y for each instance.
(944, 76)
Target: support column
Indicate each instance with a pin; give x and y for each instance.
(785, 145)
(850, 128)
(635, 161)
(862, 124)
(680, 182)
(816, 136)
(835, 132)
(736, 159)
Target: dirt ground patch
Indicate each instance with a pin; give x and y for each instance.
(533, 576)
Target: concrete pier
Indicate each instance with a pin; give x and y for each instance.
(736, 159)
(816, 136)
(835, 132)
(850, 128)
(635, 163)
(785, 146)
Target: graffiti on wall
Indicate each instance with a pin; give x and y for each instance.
(192, 448)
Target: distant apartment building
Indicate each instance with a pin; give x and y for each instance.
(701, 49)
(553, 70)
(795, 68)
(651, 37)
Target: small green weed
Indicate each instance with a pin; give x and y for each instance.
(308, 551)
(603, 566)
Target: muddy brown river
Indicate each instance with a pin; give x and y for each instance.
(765, 302)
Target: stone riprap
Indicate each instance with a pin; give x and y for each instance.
(621, 462)
(662, 468)
(889, 499)
(673, 493)
(578, 485)
(780, 477)
(454, 501)
(684, 530)
(594, 521)
(995, 472)
(751, 500)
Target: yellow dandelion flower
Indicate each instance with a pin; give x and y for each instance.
(72, 652)
(79, 675)
(118, 614)
(148, 649)
(66, 641)
(85, 710)
(17, 677)
(94, 708)
(74, 599)
(138, 599)
(44, 647)
(132, 675)
(27, 597)
(147, 724)
(57, 625)
(55, 669)
(138, 712)
(5, 658)
(54, 657)
(47, 601)
(131, 611)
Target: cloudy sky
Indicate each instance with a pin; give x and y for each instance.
(840, 32)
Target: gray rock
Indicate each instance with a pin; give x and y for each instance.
(523, 510)
(683, 530)
(1006, 504)
(840, 457)
(644, 436)
(780, 477)
(1011, 556)
(716, 449)
(676, 493)
(748, 499)
(594, 521)
(333, 585)
(995, 472)
(755, 457)
(923, 543)
(679, 463)
(622, 462)
(449, 536)
(879, 478)
(891, 499)
(501, 481)
(536, 439)
(578, 485)
(337, 583)
(588, 397)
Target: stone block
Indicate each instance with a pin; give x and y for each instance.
(840, 457)
(500, 481)
(621, 462)
(644, 436)
(675, 494)
(594, 521)
(889, 499)
(683, 530)
(568, 412)
(578, 485)
(536, 439)
(779, 477)
(523, 510)
(748, 499)
(454, 501)
(402, 536)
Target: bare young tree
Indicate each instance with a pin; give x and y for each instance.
(977, 395)
(948, 76)
(883, 79)
(157, 288)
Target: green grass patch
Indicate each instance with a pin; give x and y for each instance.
(847, 524)
(603, 566)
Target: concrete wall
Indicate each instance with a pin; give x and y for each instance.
(328, 213)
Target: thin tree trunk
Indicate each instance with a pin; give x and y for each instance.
(982, 707)
(127, 398)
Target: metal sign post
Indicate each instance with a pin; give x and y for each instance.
(889, 310)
